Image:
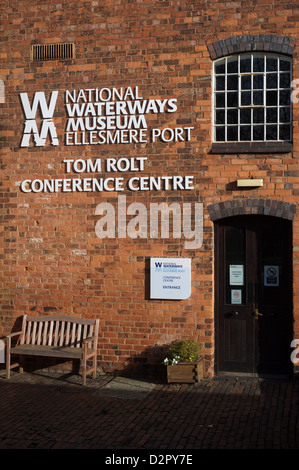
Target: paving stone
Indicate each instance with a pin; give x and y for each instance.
(56, 412)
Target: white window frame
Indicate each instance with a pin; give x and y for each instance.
(239, 56)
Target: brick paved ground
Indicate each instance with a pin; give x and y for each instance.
(45, 413)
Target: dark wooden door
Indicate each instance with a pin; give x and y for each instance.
(253, 295)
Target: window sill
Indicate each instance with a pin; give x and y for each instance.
(251, 147)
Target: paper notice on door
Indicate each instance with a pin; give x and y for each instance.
(271, 275)
(236, 274)
(236, 298)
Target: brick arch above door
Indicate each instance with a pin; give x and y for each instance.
(235, 207)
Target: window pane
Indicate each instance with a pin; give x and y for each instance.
(220, 66)
(220, 134)
(284, 115)
(232, 65)
(285, 80)
(271, 115)
(258, 98)
(258, 132)
(271, 64)
(232, 116)
(284, 97)
(220, 100)
(235, 254)
(246, 82)
(271, 80)
(258, 82)
(220, 117)
(232, 82)
(245, 116)
(232, 133)
(284, 132)
(245, 64)
(271, 132)
(258, 64)
(245, 133)
(232, 100)
(245, 98)
(271, 98)
(258, 115)
(220, 83)
(285, 64)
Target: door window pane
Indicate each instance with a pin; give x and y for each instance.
(235, 260)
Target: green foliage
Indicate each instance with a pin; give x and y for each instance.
(187, 350)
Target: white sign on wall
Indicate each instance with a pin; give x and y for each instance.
(170, 278)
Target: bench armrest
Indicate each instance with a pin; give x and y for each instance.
(84, 341)
(13, 334)
(87, 340)
(8, 340)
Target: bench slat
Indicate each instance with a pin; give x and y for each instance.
(50, 333)
(48, 351)
(61, 340)
(67, 336)
(84, 331)
(73, 333)
(78, 336)
(39, 333)
(45, 332)
(90, 333)
(56, 333)
(28, 332)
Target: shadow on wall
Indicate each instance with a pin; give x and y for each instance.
(148, 364)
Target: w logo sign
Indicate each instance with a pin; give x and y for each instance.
(47, 125)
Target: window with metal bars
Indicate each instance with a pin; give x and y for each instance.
(252, 98)
(61, 51)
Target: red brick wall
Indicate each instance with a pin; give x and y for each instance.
(51, 259)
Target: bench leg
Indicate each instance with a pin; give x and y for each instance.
(7, 359)
(83, 365)
(21, 369)
(94, 366)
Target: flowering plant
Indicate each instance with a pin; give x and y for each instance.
(185, 350)
(170, 362)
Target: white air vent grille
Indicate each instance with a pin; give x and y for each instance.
(60, 51)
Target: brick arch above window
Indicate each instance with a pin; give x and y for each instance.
(235, 207)
(251, 42)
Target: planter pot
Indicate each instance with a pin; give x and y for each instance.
(185, 372)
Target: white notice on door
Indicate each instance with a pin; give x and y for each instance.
(271, 275)
(236, 274)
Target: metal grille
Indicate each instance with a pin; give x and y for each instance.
(42, 52)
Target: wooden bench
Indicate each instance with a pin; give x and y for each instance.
(55, 336)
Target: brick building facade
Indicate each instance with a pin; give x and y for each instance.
(182, 102)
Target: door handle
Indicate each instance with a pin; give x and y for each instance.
(257, 313)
